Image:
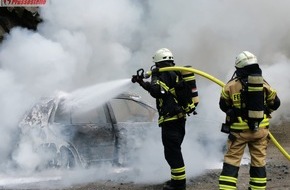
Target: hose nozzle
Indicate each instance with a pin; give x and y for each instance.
(139, 76)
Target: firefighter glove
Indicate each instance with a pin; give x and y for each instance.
(136, 78)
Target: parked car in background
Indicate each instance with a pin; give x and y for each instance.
(66, 138)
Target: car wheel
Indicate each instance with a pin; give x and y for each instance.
(53, 158)
(48, 152)
(66, 158)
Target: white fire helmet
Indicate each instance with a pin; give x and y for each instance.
(162, 54)
(245, 58)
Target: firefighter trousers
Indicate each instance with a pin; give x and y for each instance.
(257, 143)
(173, 133)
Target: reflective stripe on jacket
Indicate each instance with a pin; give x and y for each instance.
(242, 125)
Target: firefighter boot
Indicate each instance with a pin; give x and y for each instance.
(169, 186)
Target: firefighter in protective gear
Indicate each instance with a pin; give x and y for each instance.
(241, 133)
(171, 118)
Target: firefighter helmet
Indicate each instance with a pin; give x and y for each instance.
(245, 58)
(163, 54)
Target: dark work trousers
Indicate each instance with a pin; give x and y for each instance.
(172, 137)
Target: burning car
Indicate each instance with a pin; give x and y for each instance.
(67, 137)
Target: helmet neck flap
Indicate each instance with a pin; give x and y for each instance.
(248, 70)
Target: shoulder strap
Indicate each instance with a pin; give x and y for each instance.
(243, 81)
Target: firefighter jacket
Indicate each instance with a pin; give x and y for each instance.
(166, 104)
(230, 103)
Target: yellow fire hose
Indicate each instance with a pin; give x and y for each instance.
(217, 81)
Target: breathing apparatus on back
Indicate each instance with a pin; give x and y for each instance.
(252, 92)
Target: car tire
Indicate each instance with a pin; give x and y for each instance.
(66, 158)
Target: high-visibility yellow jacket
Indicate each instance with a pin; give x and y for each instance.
(231, 99)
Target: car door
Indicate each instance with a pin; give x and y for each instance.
(132, 119)
(90, 132)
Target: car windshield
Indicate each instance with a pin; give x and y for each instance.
(131, 111)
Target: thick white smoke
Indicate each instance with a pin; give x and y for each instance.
(81, 43)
